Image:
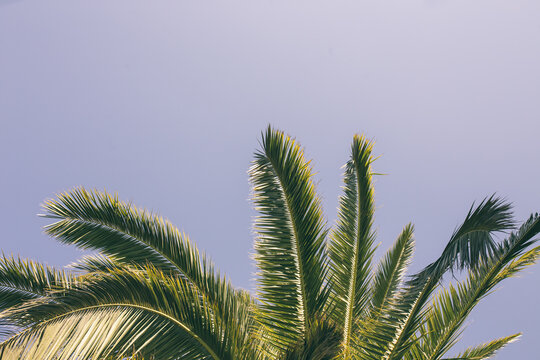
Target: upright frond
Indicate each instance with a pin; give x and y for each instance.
(289, 249)
(351, 243)
(391, 269)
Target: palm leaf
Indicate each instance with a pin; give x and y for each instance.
(140, 303)
(473, 239)
(290, 239)
(124, 234)
(391, 269)
(22, 280)
(487, 350)
(451, 307)
(469, 244)
(351, 244)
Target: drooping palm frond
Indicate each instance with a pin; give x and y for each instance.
(486, 350)
(473, 239)
(450, 308)
(100, 221)
(124, 234)
(351, 243)
(289, 249)
(115, 312)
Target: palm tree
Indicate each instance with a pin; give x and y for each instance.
(148, 293)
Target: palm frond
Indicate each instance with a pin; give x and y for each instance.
(351, 244)
(22, 280)
(391, 270)
(289, 249)
(451, 307)
(98, 262)
(486, 350)
(473, 239)
(140, 303)
(469, 244)
(100, 221)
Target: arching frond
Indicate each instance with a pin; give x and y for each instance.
(351, 243)
(470, 243)
(144, 297)
(22, 280)
(125, 234)
(289, 249)
(99, 221)
(473, 239)
(322, 342)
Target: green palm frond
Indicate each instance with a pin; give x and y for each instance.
(128, 235)
(451, 307)
(322, 342)
(98, 262)
(391, 270)
(469, 244)
(351, 244)
(22, 280)
(289, 249)
(486, 350)
(172, 304)
(473, 239)
(100, 221)
(148, 293)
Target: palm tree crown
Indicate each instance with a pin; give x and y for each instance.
(148, 293)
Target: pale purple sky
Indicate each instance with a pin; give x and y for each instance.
(164, 102)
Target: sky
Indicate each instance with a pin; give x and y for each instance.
(164, 102)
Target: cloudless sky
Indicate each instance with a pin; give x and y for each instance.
(163, 102)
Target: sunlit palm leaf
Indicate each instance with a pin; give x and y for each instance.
(351, 244)
(153, 298)
(22, 280)
(391, 270)
(473, 239)
(290, 239)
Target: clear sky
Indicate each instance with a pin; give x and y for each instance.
(164, 102)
